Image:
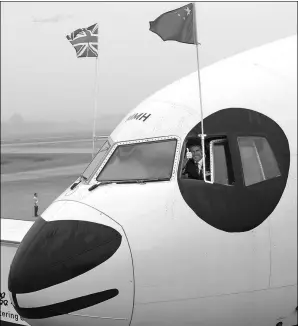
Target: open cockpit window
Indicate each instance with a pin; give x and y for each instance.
(141, 161)
(192, 164)
(258, 160)
(218, 163)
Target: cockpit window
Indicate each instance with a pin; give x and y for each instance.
(258, 160)
(140, 161)
(98, 159)
(218, 164)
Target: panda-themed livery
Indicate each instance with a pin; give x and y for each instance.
(135, 242)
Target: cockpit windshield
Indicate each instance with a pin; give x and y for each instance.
(98, 159)
(147, 161)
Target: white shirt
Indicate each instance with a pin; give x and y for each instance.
(200, 164)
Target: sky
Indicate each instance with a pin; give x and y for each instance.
(42, 79)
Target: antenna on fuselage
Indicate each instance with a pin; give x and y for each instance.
(202, 135)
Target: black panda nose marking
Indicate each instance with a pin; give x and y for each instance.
(57, 251)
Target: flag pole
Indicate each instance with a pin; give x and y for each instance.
(200, 93)
(95, 105)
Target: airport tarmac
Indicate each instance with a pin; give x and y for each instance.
(46, 168)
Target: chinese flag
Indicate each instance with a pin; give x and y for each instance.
(175, 25)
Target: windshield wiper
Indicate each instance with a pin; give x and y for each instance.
(100, 184)
(80, 180)
(143, 181)
(139, 181)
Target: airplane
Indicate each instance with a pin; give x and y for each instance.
(134, 241)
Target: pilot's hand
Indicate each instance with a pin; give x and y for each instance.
(188, 154)
(186, 158)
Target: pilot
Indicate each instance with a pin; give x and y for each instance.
(193, 164)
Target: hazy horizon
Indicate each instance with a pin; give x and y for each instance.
(43, 80)
(10, 119)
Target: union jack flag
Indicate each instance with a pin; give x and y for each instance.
(85, 41)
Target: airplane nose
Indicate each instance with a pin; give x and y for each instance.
(65, 269)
